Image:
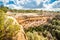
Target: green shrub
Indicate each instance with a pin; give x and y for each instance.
(35, 36)
(53, 28)
(7, 27)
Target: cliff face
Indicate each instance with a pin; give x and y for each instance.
(26, 22)
(31, 21)
(20, 34)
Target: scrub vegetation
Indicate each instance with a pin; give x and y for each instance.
(48, 31)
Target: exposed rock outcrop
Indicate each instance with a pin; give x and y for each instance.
(21, 34)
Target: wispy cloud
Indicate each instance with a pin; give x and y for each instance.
(32, 4)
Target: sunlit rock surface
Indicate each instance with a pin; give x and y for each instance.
(21, 34)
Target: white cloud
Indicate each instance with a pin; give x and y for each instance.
(14, 6)
(56, 4)
(47, 5)
(50, 6)
(21, 1)
(38, 1)
(20, 4)
(58, 0)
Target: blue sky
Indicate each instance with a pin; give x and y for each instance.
(31, 4)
